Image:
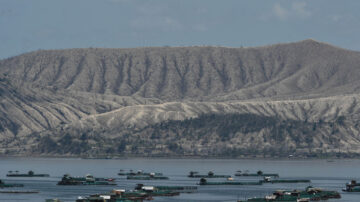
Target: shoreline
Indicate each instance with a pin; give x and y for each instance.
(178, 157)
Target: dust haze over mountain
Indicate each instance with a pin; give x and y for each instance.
(142, 101)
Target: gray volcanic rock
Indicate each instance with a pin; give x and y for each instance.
(110, 92)
(196, 73)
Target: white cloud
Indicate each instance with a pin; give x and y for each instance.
(280, 12)
(297, 9)
(300, 9)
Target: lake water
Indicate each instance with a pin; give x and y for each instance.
(328, 175)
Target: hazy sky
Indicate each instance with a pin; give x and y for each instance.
(27, 25)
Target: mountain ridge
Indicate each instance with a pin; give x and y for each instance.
(102, 71)
(110, 92)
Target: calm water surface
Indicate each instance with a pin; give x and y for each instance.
(328, 175)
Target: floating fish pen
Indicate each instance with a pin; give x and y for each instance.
(145, 177)
(5, 185)
(269, 180)
(29, 174)
(121, 195)
(153, 191)
(309, 194)
(138, 173)
(18, 192)
(110, 198)
(87, 180)
(203, 181)
(352, 186)
(210, 174)
(176, 187)
(53, 200)
(257, 174)
(182, 189)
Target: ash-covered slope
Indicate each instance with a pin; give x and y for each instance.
(117, 96)
(195, 73)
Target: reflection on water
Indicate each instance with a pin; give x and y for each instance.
(329, 175)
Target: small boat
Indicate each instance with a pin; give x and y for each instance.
(210, 174)
(87, 180)
(352, 186)
(5, 185)
(29, 174)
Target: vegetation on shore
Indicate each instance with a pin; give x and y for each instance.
(209, 135)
